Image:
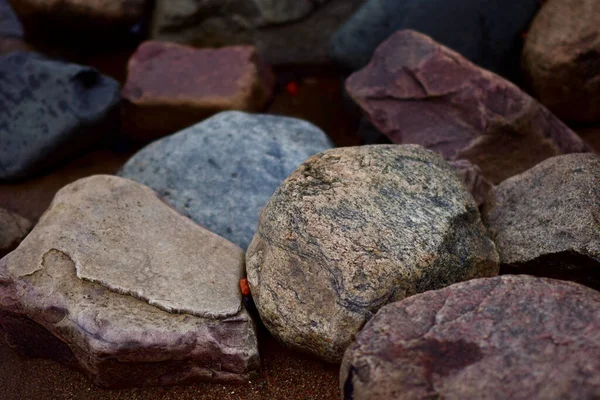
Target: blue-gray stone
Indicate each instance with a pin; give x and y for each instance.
(9, 22)
(222, 171)
(487, 32)
(50, 111)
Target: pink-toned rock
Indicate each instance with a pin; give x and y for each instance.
(418, 91)
(508, 337)
(170, 86)
(115, 282)
(561, 58)
(473, 179)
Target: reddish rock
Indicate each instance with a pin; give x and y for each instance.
(561, 58)
(592, 136)
(508, 337)
(546, 221)
(170, 86)
(418, 91)
(473, 179)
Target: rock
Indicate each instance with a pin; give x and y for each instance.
(353, 229)
(9, 23)
(89, 16)
(285, 32)
(591, 135)
(222, 172)
(13, 228)
(487, 32)
(545, 221)
(418, 91)
(473, 179)
(118, 283)
(51, 111)
(515, 337)
(170, 87)
(561, 58)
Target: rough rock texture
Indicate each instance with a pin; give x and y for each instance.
(170, 87)
(561, 58)
(13, 228)
(487, 32)
(546, 221)
(222, 172)
(473, 179)
(80, 15)
(508, 337)
(285, 32)
(50, 111)
(115, 281)
(353, 229)
(418, 91)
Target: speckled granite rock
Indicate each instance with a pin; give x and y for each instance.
(222, 172)
(473, 179)
(118, 283)
(50, 111)
(13, 228)
(417, 91)
(284, 31)
(546, 221)
(561, 58)
(508, 337)
(487, 32)
(170, 87)
(82, 16)
(353, 229)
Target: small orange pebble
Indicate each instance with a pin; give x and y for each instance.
(292, 88)
(244, 287)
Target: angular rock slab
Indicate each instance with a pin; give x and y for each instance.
(546, 221)
(473, 179)
(284, 31)
(50, 111)
(221, 172)
(13, 228)
(487, 32)
(417, 91)
(170, 87)
(508, 337)
(114, 281)
(561, 58)
(353, 229)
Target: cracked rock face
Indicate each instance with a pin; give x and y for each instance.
(353, 229)
(170, 87)
(114, 281)
(546, 221)
(284, 31)
(50, 111)
(222, 171)
(508, 337)
(561, 58)
(417, 91)
(13, 228)
(486, 32)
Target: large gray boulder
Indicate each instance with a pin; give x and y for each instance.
(546, 221)
(115, 282)
(508, 337)
(355, 228)
(222, 171)
(50, 111)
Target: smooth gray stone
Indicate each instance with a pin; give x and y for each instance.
(487, 32)
(9, 22)
(222, 171)
(50, 111)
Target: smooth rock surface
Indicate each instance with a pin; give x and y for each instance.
(118, 283)
(418, 91)
(561, 58)
(353, 229)
(13, 228)
(508, 337)
(487, 32)
(285, 32)
(546, 221)
(9, 22)
(51, 111)
(170, 87)
(221, 172)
